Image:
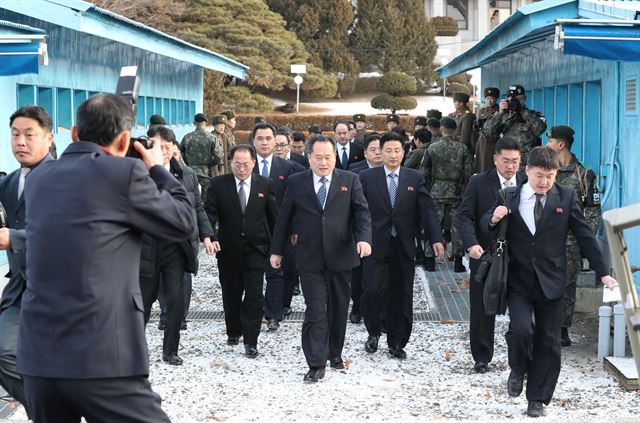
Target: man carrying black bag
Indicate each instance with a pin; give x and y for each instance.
(481, 195)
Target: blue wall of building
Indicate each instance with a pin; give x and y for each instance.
(81, 65)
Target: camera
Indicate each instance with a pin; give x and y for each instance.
(128, 88)
(513, 105)
(146, 143)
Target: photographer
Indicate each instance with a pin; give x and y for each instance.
(514, 119)
(482, 145)
(170, 260)
(82, 349)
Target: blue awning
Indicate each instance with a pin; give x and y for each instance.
(18, 58)
(607, 42)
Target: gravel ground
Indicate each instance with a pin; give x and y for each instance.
(436, 382)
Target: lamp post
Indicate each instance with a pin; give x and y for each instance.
(298, 70)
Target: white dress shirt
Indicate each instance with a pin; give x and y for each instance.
(269, 162)
(527, 204)
(317, 184)
(246, 187)
(513, 180)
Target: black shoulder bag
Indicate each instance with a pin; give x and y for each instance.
(494, 269)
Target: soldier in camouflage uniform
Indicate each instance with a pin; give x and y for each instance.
(448, 167)
(229, 140)
(201, 152)
(361, 128)
(575, 175)
(219, 123)
(515, 120)
(464, 119)
(482, 146)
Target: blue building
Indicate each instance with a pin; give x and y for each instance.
(85, 47)
(579, 61)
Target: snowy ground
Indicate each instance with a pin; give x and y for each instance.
(436, 382)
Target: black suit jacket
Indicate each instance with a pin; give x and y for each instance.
(82, 311)
(326, 237)
(413, 207)
(356, 154)
(299, 159)
(481, 194)
(358, 167)
(15, 209)
(280, 171)
(543, 255)
(236, 229)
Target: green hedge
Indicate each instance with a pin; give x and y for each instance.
(303, 122)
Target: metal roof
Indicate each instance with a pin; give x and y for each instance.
(529, 24)
(85, 17)
(20, 27)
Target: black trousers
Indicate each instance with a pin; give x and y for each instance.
(170, 266)
(290, 274)
(535, 349)
(273, 293)
(481, 326)
(356, 289)
(243, 276)
(187, 283)
(123, 399)
(10, 380)
(388, 285)
(326, 296)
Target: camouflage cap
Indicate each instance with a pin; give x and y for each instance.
(359, 118)
(259, 119)
(420, 120)
(200, 117)
(218, 119)
(561, 132)
(491, 92)
(230, 114)
(447, 122)
(393, 118)
(461, 97)
(433, 122)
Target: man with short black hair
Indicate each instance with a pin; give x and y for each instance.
(99, 369)
(541, 215)
(347, 152)
(481, 195)
(298, 143)
(422, 140)
(573, 174)
(433, 126)
(31, 137)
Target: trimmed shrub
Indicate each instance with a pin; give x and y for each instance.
(397, 84)
(393, 103)
(445, 26)
(242, 100)
(455, 87)
(347, 85)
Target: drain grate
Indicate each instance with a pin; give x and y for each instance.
(296, 316)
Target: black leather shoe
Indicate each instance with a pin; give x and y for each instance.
(314, 374)
(232, 340)
(371, 345)
(565, 341)
(397, 352)
(287, 311)
(514, 384)
(173, 359)
(481, 367)
(162, 325)
(336, 363)
(273, 325)
(429, 264)
(250, 351)
(535, 409)
(355, 317)
(458, 267)
(183, 326)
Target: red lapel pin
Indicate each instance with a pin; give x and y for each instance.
(344, 189)
(559, 210)
(281, 177)
(410, 189)
(260, 195)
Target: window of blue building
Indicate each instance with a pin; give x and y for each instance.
(548, 106)
(149, 109)
(174, 112)
(166, 109)
(65, 110)
(158, 107)
(593, 117)
(26, 95)
(576, 115)
(45, 100)
(141, 119)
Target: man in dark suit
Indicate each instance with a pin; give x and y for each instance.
(481, 195)
(278, 170)
(283, 150)
(244, 206)
(31, 139)
(347, 152)
(542, 214)
(326, 211)
(399, 203)
(373, 158)
(82, 349)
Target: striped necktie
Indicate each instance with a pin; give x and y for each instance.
(393, 193)
(322, 192)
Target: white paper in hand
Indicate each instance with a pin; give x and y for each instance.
(611, 295)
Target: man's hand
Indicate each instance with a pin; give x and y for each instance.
(293, 239)
(499, 213)
(438, 249)
(475, 251)
(5, 240)
(151, 157)
(609, 281)
(276, 261)
(210, 247)
(504, 105)
(363, 249)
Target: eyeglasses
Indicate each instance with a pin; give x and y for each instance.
(281, 145)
